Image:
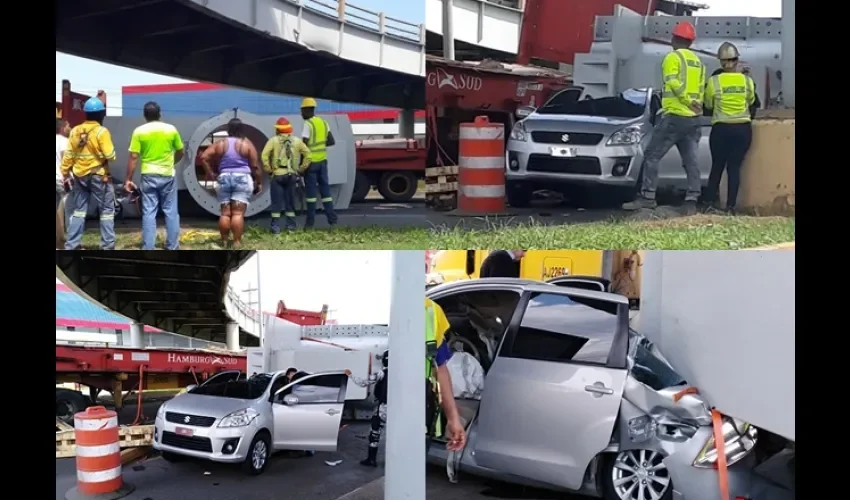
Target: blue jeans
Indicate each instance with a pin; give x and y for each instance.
(159, 192)
(100, 187)
(316, 183)
(684, 132)
(283, 200)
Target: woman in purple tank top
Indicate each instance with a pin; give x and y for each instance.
(233, 164)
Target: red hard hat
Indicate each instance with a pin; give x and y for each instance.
(283, 125)
(685, 30)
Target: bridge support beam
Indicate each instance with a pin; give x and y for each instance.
(137, 335)
(232, 332)
(405, 461)
(406, 124)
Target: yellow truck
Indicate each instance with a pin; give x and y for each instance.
(607, 270)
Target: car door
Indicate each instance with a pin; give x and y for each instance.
(583, 282)
(552, 395)
(308, 412)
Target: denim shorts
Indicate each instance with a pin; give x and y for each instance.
(234, 187)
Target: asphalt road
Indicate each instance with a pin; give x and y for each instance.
(474, 488)
(287, 476)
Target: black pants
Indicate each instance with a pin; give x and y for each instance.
(729, 143)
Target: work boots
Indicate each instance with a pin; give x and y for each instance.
(275, 226)
(640, 203)
(372, 459)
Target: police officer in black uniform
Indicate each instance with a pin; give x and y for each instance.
(379, 419)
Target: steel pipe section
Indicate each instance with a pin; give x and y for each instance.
(196, 133)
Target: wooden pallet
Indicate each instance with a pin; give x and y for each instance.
(441, 187)
(128, 437)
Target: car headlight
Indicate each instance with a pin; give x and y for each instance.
(627, 136)
(739, 438)
(518, 133)
(239, 418)
(160, 412)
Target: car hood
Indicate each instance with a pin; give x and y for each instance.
(209, 406)
(577, 123)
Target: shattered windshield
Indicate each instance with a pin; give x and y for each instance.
(251, 388)
(650, 368)
(629, 104)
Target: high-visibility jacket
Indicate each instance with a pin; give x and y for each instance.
(436, 326)
(318, 142)
(683, 75)
(285, 154)
(95, 153)
(730, 95)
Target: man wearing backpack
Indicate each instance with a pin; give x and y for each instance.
(90, 149)
(284, 158)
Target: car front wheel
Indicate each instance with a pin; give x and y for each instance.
(637, 475)
(258, 454)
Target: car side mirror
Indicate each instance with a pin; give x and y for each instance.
(525, 111)
(290, 400)
(190, 387)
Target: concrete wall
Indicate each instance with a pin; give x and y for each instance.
(768, 176)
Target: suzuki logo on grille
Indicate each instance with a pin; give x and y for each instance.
(565, 138)
(187, 419)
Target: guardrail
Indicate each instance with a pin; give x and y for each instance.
(378, 22)
(239, 311)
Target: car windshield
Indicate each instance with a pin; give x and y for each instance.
(251, 388)
(629, 104)
(650, 368)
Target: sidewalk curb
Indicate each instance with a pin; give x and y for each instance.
(370, 491)
(791, 245)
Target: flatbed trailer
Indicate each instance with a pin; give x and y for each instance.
(393, 166)
(119, 370)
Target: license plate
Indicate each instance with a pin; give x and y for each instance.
(562, 152)
(554, 272)
(182, 431)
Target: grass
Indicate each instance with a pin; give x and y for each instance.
(700, 232)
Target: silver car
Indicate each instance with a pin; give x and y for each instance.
(571, 142)
(232, 419)
(573, 399)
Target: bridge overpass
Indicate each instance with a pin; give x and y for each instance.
(329, 49)
(180, 292)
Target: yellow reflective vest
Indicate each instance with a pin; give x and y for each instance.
(318, 142)
(730, 96)
(683, 76)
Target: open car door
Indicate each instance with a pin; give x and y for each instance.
(584, 282)
(308, 412)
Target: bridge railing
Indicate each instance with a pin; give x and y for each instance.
(364, 18)
(239, 311)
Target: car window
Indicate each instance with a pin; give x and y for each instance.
(650, 368)
(250, 388)
(621, 106)
(559, 328)
(316, 389)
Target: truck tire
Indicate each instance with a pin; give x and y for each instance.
(397, 186)
(362, 185)
(518, 197)
(68, 403)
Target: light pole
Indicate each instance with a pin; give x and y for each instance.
(404, 474)
(260, 300)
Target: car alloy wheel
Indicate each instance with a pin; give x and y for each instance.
(259, 454)
(640, 475)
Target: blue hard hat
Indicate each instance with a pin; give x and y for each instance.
(93, 105)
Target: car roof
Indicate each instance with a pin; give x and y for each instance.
(524, 285)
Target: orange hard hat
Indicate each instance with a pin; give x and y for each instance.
(685, 30)
(283, 126)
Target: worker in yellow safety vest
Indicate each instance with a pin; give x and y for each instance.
(317, 135)
(284, 158)
(731, 95)
(436, 327)
(87, 157)
(683, 85)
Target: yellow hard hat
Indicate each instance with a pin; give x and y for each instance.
(308, 102)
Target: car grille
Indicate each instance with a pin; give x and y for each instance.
(187, 442)
(195, 420)
(585, 165)
(574, 138)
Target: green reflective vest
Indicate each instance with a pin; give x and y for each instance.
(318, 142)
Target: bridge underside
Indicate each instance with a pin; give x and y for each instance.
(180, 292)
(465, 51)
(173, 37)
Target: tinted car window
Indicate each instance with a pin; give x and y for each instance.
(318, 389)
(559, 328)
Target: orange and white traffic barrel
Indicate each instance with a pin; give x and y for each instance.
(481, 168)
(98, 453)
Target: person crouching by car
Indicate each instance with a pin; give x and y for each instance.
(379, 418)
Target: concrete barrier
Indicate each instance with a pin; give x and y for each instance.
(768, 175)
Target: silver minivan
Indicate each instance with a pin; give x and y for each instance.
(575, 142)
(574, 399)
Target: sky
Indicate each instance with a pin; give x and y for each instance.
(89, 76)
(355, 284)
